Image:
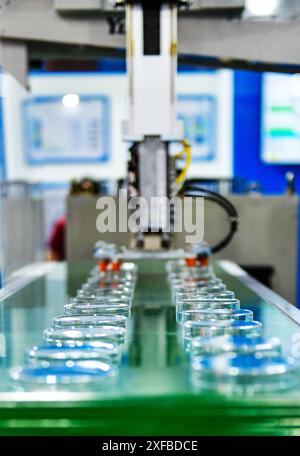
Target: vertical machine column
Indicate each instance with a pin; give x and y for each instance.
(152, 124)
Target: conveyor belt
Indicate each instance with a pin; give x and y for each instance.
(154, 395)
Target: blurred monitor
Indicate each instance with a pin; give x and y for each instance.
(198, 115)
(280, 129)
(66, 129)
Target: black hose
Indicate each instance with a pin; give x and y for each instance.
(192, 190)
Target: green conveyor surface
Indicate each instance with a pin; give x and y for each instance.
(154, 395)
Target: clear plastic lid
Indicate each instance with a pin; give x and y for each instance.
(129, 267)
(214, 289)
(192, 275)
(186, 278)
(88, 321)
(182, 285)
(116, 277)
(198, 304)
(216, 314)
(245, 373)
(211, 346)
(211, 300)
(110, 334)
(104, 292)
(97, 309)
(224, 295)
(175, 265)
(192, 287)
(228, 294)
(94, 283)
(101, 300)
(90, 372)
(209, 328)
(91, 290)
(65, 355)
(88, 300)
(196, 271)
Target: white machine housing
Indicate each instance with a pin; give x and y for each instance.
(152, 78)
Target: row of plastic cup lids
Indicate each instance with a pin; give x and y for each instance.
(224, 344)
(85, 345)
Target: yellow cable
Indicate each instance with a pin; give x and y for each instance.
(188, 152)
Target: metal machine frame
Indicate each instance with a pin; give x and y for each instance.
(41, 28)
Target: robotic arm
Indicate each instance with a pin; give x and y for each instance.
(152, 125)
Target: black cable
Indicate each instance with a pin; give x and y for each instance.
(215, 196)
(190, 189)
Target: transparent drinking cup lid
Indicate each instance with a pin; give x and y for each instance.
(104, 292)
(121, 276)
(188, 276)
(97, 309)
(245, 373)
(209, 328)
(216, 314)
(192, 271)
(198, 304)
(98, 283)
(93, 284)
(129, 267)
(213, 289)
(172, 265)
(224, 295)
(93, 291)
(180, 285)
(228, 294)
(212, 300)
(110, 334)
(101, 300)
(211, 346)
(65, 355)
(92, 373)
(191, 288)
(88, 321)
(187, 279)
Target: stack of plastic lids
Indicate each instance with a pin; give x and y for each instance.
(84, 347)
(224, 344)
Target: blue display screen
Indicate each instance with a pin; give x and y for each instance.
(57, 133)
(199, 116)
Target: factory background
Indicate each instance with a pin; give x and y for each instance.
(231, 106)
(149, 219)
(245, 96)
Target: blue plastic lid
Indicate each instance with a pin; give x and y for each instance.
(65, 370)
(66, 348)
(201, 346)
(231, 365)
(83, 372)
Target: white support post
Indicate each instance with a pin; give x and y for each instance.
(151, 78)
